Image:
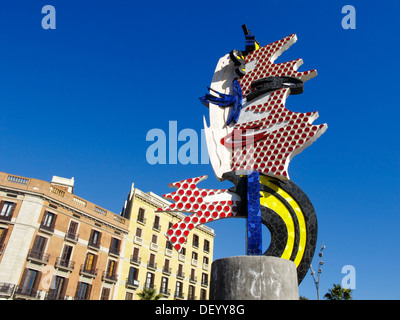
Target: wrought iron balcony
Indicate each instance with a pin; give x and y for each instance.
(135, 259)
(131, 283)
(38, 257)
(27, 293)
(64, 264)
(71, 236)
(92, 273)
(109, 277)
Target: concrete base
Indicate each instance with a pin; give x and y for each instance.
(253, 278)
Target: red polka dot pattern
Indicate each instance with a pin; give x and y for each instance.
(268, 144)
(189, 198)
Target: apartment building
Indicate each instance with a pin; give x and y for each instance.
(150, 261)
(56, 245)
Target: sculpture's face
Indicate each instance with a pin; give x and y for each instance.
(266, 135)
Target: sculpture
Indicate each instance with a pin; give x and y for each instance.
(251, 139)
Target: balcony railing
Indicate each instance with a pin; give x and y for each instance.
(166, 270)
(64, 264)
(135, 259)
(109, 277)
(165, 291)
(141, 220)
(191, 297)
(157, 226)
(88, 272)
(46, 228)
(38, 257)
(132, 283)
(179, 295)
(71, 236)
(193, 279)
(27, 293)
(152, 265)
(114, 251)
(7, 217)
(180, 275)
(94, 244)
(6, 289)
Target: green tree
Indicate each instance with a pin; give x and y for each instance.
(338, 293)
(149, 294)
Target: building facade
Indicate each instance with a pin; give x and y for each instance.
(56, 245)
(153, 263)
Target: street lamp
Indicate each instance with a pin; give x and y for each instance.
(320, 263)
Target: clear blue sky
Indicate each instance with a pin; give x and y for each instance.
(78, 101)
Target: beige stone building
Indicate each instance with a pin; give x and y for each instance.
(153, 263)
(54, 244)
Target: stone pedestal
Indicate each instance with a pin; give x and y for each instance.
(253, 278)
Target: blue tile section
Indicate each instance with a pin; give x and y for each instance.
(254, 231)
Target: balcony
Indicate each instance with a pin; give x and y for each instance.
(168, 252)
(154, 246)
(91, 273)
(135, 259)
(179, 295)
(138, 240)
(94, 244)
(47, 229)
(141, 220)
(204, 283)
(191, 297)
(27, 293)
(152, 265)
(182, 257)
(157, 227)
(6, 218)
(165, 292)
(131, 283)
(194, 262)
(193, 279)
(109, 277)
(180, 275)
(38, 257)
(64, 264)
(206, 267)
(6, 289)
(114, 251)
(166, 270)
(71, 237)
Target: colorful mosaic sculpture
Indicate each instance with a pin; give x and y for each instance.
(251, 139)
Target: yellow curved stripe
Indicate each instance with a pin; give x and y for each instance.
(299, 214)
(270, 201)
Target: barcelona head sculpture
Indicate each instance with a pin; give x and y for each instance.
(251, 139)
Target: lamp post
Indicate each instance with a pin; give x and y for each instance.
(320, 263)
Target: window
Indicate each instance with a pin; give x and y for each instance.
(29, 282)
(191, 295)
(6, 210)
(90, 263)
(180, 273)
(105, 294)
(203, 294)
(3, 233)
(168, 245)
(193, 275)
(138, 232)
(206, 245)
(114, 246)
(205, 260)
(48, 221)
(183, 251)
(83, 291)
(178, 289)
(194, 255)
(66, 256)
(38, 247)
(72, 230)
(166, 267)
(152, 263)
(154, 239)
(58, 288)
(94, 240)
(149, 280)
(133, 276)
(111, 269)
(164, 285)
(135, 256)
(204, 279)
(140, 217)
(195, 241)
(156, 224)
